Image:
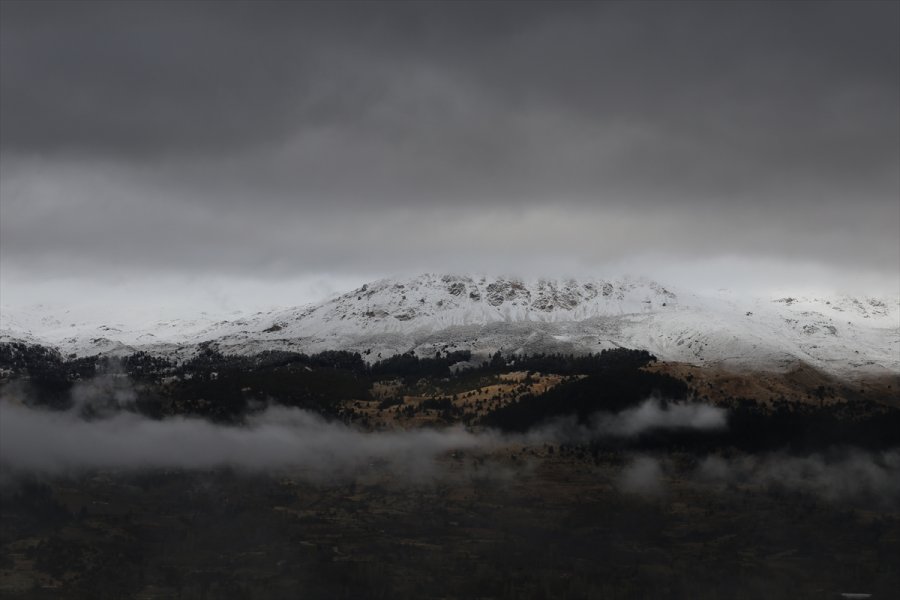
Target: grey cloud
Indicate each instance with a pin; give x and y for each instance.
(103, 395)
(100, 431)
(80, 226)
(650, 415)
(695, 98)
(297, 138)
(152, 65)
(35, 440)
(845, 474)
(643, 476)
(841, 475)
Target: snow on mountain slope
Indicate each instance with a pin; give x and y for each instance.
(432, 313)
(87, 330)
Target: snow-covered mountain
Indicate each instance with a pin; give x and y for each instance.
(432, 313)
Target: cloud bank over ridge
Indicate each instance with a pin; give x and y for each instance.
(188, 143)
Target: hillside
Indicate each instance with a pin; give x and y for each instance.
(432, 313)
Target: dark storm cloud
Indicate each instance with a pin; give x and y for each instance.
(148, 78)
(737, 128)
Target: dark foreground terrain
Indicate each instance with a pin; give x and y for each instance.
(512, 526)
(795, 495)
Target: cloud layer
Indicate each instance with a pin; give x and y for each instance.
(279, 437)
(840, 475)
(281, 140)
(99, 432)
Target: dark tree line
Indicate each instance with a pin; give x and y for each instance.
(612, 386)
(226, 387)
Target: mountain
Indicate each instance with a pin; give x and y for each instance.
(432, 313)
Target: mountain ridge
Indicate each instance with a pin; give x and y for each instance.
(443, 312)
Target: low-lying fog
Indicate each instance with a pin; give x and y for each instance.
(278, 436)
(100, 431)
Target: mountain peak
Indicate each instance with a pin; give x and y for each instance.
(440, 312)
(435, 301)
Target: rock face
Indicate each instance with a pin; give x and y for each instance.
(432, 313)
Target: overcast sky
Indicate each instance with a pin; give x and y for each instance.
(233, 154)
